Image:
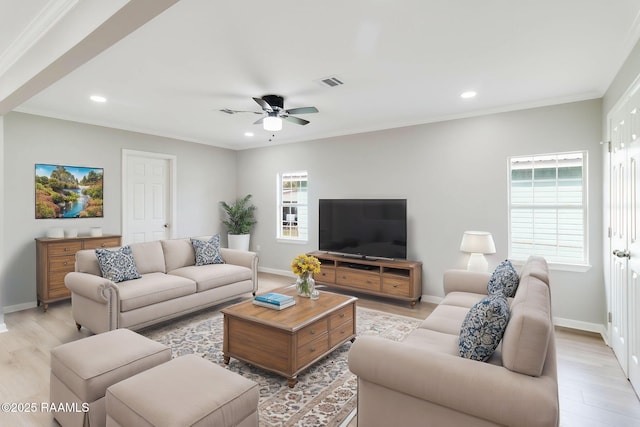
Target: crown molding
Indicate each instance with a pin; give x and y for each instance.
(50, 14)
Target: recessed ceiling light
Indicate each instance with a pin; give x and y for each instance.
(248, 134)
(98, 98)
(468, 94)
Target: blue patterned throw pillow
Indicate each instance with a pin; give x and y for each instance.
(504, 279)
(483, 327)
(117, 265)
(207, 251)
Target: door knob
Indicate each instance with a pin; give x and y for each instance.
(622, 254)
(166, 226)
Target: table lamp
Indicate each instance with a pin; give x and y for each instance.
(477, 243)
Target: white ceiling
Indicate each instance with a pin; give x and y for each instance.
(402, 63)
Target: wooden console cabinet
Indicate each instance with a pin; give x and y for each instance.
(56, 257)
(399, 279)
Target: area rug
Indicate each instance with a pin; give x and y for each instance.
(325, 394)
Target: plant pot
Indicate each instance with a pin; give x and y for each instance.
(239, 241)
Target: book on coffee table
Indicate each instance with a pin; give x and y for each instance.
(275, 298)
(274, 306)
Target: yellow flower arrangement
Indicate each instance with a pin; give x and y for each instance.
(304, 264)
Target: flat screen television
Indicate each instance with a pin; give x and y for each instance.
(367, 228)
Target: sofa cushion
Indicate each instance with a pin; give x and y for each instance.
(213, 275)
(483, 327)
(153, 288)
(462, 299)
(149, 257)
(446, 319)
(433, 341)
(207, 251)
(504, 279)
(178, 253)
(117, 265)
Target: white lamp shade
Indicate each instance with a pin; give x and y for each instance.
(272, 123)
(478, 242)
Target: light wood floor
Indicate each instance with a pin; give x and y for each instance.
(593, 389)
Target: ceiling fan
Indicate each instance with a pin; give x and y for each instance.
(273, 106)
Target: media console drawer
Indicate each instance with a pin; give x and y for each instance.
(396, 285)
(361, 279)
(327, 274)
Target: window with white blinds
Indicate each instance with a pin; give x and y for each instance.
(293, 209)
(548, 207)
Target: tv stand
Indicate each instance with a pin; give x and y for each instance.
(397, 279)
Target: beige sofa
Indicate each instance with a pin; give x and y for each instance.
(422, 381)
(170, 285)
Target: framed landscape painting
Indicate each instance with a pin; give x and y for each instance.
(68, 191)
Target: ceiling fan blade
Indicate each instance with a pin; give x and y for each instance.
(263, 104)
(259, 121)
(296, 120)
(229, 111)
(302, 110)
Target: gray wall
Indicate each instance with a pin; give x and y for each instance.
(2, 325)
(205, 175)
(454, 175)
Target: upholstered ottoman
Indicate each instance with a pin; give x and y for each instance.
(82, 370)
(187, 391)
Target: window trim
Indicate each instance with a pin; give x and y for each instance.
(582, 266)
(279, 206)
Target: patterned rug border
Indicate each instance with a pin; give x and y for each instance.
(326, 393)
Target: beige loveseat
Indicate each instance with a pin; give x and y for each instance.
(422, 381)
(170, 285)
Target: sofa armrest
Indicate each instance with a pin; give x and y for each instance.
(479, 389)
(90, 286)
(244, 259)
(465, 281)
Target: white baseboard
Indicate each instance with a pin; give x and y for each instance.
(3, 328)
(279, 272)
(19, 307)
(582, 326)
(432, 299)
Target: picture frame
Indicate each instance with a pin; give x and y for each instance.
(63, 191)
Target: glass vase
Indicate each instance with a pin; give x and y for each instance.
(305, 285)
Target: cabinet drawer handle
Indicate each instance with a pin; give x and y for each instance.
(344, 277)
(312, 332)
(103, 245)
(66, 249)
(313, 349)
(66, 262)
(341, 315)
(395, 286)
(342, 332)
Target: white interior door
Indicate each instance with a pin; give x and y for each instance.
(633, 306)
(148, 200)
(618, 259)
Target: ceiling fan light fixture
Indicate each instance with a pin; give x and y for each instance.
(272, 123)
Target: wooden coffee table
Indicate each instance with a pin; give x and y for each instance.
(288, 341)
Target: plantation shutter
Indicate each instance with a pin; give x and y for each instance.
(547, 207)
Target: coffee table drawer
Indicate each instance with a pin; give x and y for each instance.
(341, 333)
(345, 314)
(312, 350)
(312, 332)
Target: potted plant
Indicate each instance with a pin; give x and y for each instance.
(239, 221)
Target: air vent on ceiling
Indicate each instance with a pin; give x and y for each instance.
(331, 81)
